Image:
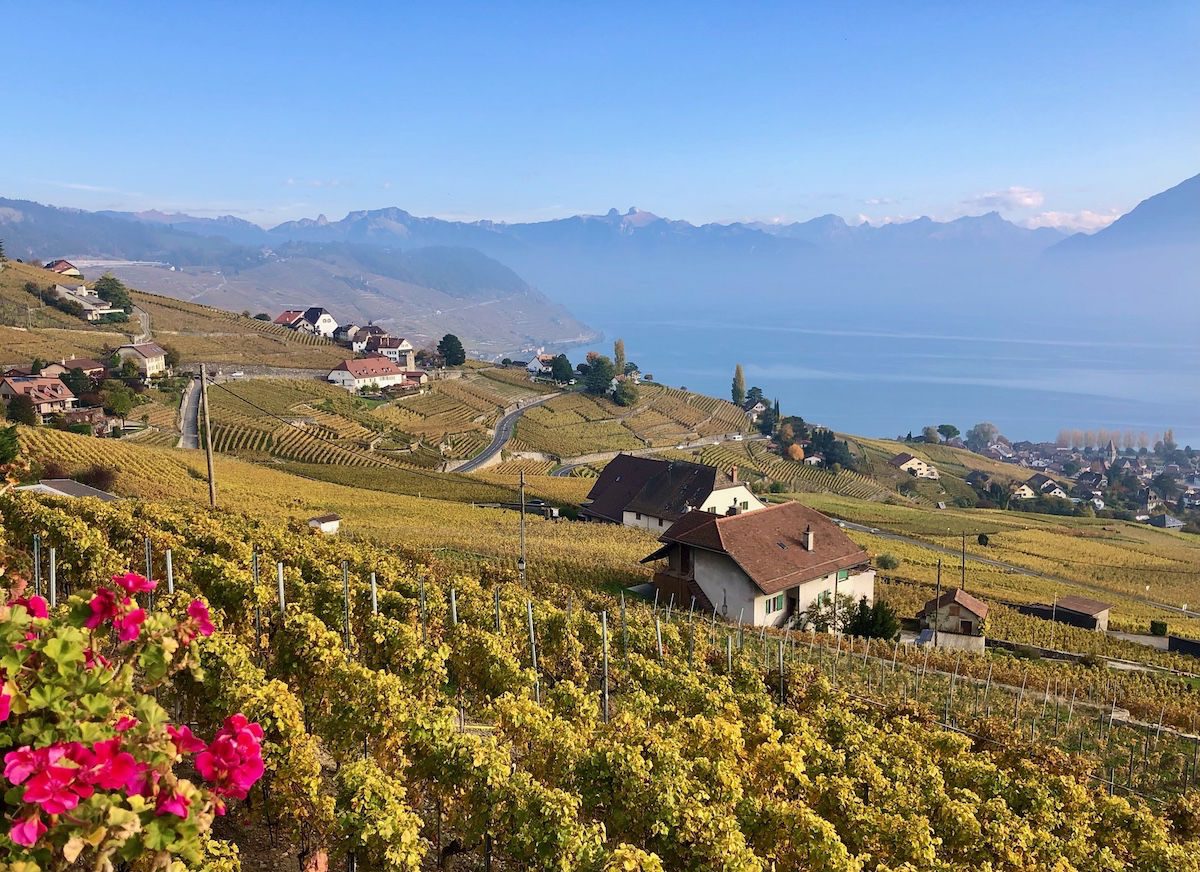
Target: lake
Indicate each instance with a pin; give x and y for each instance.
(887, 381)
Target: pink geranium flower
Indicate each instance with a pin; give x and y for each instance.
(5, 706)
(133, 583)
(198, 612)
(34, 605)
(172, 803)
(233, 761)
(57, 789)
(26, 831)
(125, 723)
(106, 766)
(91, 660)
(21, 763)
(129, 624)
(104, 608)
(185, 742)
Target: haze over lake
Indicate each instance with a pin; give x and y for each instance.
(884, 382)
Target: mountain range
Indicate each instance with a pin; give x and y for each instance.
(920, 272)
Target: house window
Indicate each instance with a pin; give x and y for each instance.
(638, 515)
(774, 604)
(745, 505)
(660, 522)
(843, 574)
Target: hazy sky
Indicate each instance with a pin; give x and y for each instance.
(1055, 113)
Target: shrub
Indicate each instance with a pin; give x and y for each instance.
(887, 561)
(1158, 628)
(983, 539)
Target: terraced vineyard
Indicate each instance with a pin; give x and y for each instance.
(578, 423)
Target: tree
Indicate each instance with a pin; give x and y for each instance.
(887, 561)
(948, 431)
(262, 316)
(2, 255)
(118, 399)
(452, 351)
(560, 369)
(599, 376)
(76, 381)
(738, 392)
(795, 451)
(820, 616)
(37, 366)
(113, 291)
(930, 435)
(172, 356)
(983, 539)
(619, 355)
(626, 393)
(754, 395)
(21, 410)
(875, 620)
(982, 435)
(630, 368)
(9, 446)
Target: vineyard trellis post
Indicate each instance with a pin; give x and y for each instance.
(729, 653)
(423, 608)
(374, 595)
(170, 571)
(53, 576)
(537, 682)
(282, 592)
(346, 602)
(37, 564)
(254, 575)
(624, 630)
(148, 548)
(658, 636)
(781, 672)
(453, 607)
(604, 684)
(208, 447)
(496, 605)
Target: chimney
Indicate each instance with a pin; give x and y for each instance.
(733, 473)
(808, 538)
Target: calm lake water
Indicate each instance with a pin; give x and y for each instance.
(887, 381)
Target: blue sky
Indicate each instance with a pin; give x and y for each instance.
(1060, 113)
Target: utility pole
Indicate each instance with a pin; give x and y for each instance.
(208, 451)
(963, 582)
(521, 559)
(937, 603)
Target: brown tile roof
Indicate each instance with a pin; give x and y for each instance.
(84, 363)
(324, 519)
(290, 317)
(147, 349)
(40, 389)
(60, 265)
(618, 483)
(768, 544)
(678, 487)
(369, 367)
(902, 458)
(1083, 605)
(959, 596)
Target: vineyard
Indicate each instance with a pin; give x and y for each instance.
(420, 711)
(576, 423)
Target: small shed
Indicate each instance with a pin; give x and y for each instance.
(327, 525)
(955, 611)
(1077, 611)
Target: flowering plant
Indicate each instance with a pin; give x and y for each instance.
(89, 756)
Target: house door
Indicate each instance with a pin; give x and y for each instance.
(965, 627)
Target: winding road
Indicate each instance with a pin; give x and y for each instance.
(189, 417)
(503, 432)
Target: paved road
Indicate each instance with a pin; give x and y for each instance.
(189, 422)
(504, 431)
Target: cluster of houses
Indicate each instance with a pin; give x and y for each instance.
(388, 363)
(54, 401)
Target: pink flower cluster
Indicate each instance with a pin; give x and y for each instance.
(57, 778)
(126, 617)
(233, 761)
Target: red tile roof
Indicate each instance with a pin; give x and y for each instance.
(39, 389)
(960, 597)
(768, 544)
(290, 317)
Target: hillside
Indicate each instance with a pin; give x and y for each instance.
(431, 721)
(421, 291)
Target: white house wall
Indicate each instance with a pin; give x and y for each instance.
(730, 590)
(719, 501)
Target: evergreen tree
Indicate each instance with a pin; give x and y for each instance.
(626, 393)
(21, 410)
(2, 255)
(452, 351)
(619, 356)
(560, 369)
(738, 393)
(599, 375)
(9, 446)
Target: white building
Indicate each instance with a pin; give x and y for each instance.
(915, 466)
(762, 568)
(150, 358)
(368, 372)
(87, 299)
(319, 321)
(396, 349)
(327, 525)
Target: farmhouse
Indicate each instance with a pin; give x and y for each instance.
(541, 364)
(954, 620)
(398, 351)
(289, 318)
(763, 567)
(1039, 485)
(363, 335)
(325, 524)
(368, 372)
(151, 360)
(652, 494)
(49, 395)
(318, 321)
(64, 268)
(914, 466)
(93, 369)
(1077, 611)
(94, 308)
